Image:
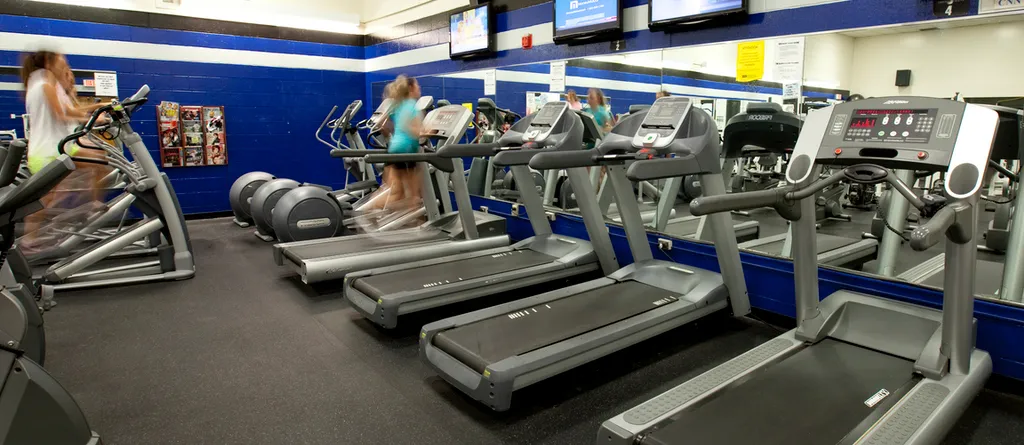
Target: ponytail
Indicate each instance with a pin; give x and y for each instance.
(402, 87)
(36, 61)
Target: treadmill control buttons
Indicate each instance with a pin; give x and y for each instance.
(899, 118)
(650, 138)
(922, 154)
(892, 133)
(838, 124)
(946, 126)
(839, 151)
(906, 133)
(885, 120)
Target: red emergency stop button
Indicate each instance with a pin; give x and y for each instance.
(839, 151)
(922, 154)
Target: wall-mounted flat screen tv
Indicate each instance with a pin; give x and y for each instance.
(472, 32)
(673, 12)
(583, 19)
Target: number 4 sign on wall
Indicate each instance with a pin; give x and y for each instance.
(951, 8)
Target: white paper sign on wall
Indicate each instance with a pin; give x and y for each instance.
(990, 6)
(490, 82)
(106, 84)
(557, 76)
(789, 60)
(791, 90)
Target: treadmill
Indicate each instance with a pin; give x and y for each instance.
(767, 126)
(491, 353)
(454, 232)
(857, 369)
(991, 274)
(383, 294)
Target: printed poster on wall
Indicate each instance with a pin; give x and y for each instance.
(557, 76)
(490, 82)
(789, 60)
(750, 61)
(992, 6)
(106, 84)
(791, 90)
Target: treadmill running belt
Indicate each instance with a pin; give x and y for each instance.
(487, 341)
(818, 395)
(987, 282)
(378, 286)
(345, 245)
(825, 243)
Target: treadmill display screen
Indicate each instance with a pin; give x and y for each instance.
(665, 115)
(893, 126)
(548, 114)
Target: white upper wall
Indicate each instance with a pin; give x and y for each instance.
(977, 61)
(827, 59)
(340, 16)
(377, 14)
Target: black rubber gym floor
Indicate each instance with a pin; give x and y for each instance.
(246, 354)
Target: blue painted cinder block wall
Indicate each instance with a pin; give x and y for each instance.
(271, 112)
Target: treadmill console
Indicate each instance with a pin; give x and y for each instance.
(380, 114)
(448, 122)
(916, 133)
(662, 123)
(346, 116)
(544, 122)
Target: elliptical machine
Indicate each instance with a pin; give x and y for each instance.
(34, 407)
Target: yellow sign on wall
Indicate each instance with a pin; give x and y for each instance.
(750, 61)
(469, 106)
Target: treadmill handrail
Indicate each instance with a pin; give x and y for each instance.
(659, 168)
(610, 147)
(783, 199)
(356, 153)
(442, 164)
(452, 151)
(954, 221)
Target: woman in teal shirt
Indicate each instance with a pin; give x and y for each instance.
(599, 108)
(404, 179)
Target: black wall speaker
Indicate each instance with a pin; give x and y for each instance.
(903, 78)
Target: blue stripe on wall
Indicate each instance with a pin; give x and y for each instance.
(271, 116)
(100, 31)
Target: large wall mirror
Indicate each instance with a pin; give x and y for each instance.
(860, 228)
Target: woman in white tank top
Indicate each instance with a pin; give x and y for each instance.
(54, 115)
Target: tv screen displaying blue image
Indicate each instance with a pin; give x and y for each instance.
(470, 31)
(576, 18)
(663, 11)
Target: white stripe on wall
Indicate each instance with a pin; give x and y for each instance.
(174, 53)
(543, 80)
(683, 90)
(10, 86)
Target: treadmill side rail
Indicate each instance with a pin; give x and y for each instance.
(624, 428)
(930, 410)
